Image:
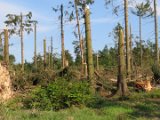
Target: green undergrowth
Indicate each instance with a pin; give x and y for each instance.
(139, 106)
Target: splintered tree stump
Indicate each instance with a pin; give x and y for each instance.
(5, 84)
(143, 85)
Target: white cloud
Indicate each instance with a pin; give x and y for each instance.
(6, 8)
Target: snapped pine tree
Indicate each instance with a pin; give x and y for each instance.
(49, 57)
(156, 31)
(6, 47)
(22, 42)
(128, 64)
(44, 47)
(140, 38)
(62, 40)
(35, 44)
(90, 67)
(131, 58)
(0, 39)
(97, 61)
(51, 53)
(122, 85)
(80, 38)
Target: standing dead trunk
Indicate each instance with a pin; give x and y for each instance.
(140, 39)
(44, 46)
(156, 31)
(1, 46)
(84, 53)
(131, 58)
(0, 40)
(6, 47)
(49, 58)
(51, 53)
(62, 40)
(80, 38)
(97, 61)
(22, 43)
(35, 45)
(128, 65)
(90, 66)
(121, 83)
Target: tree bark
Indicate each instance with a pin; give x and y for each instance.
(49, 58)
(140, 39)
(131, 58)
(156, 31)
(97, 59)
(128, 64)
(44, 46)
(6, 47)
(1, 45)
(80, 38)
(22, 43)
(0, 40)
(121, 83)
(90, 66)
(52, 53)
(62, 40)
(35, 45)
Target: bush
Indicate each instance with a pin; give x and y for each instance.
(42, 77)
(19, 80)
(156, 72)
(58, 95)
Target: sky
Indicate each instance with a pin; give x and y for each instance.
(102, 23)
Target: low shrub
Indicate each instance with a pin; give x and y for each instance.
(59, 94)
(19, 80)
(156, 72)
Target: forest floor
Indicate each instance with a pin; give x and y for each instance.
(139, 106)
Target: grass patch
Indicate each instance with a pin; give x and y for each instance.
(139, 106)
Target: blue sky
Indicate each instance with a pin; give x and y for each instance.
(102, 23)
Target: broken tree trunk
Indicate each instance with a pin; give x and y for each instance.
(62, 40)
(90, 67)
(5, 84)
(6, 47)
(44, 47)
(121, 83)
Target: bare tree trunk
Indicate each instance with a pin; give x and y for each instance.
(22, 43)
(128, 65)
(44, 46)
(51, 52)
(131, 58)
(1, 46)
(90, 66)
(122, 85)
(140, 39)
(97, 61)
(156, 31)
(6, 47)
(49, 58)
(0, 40)
(80, 38)
(35, 45)
(84, 53)
(62, 40)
